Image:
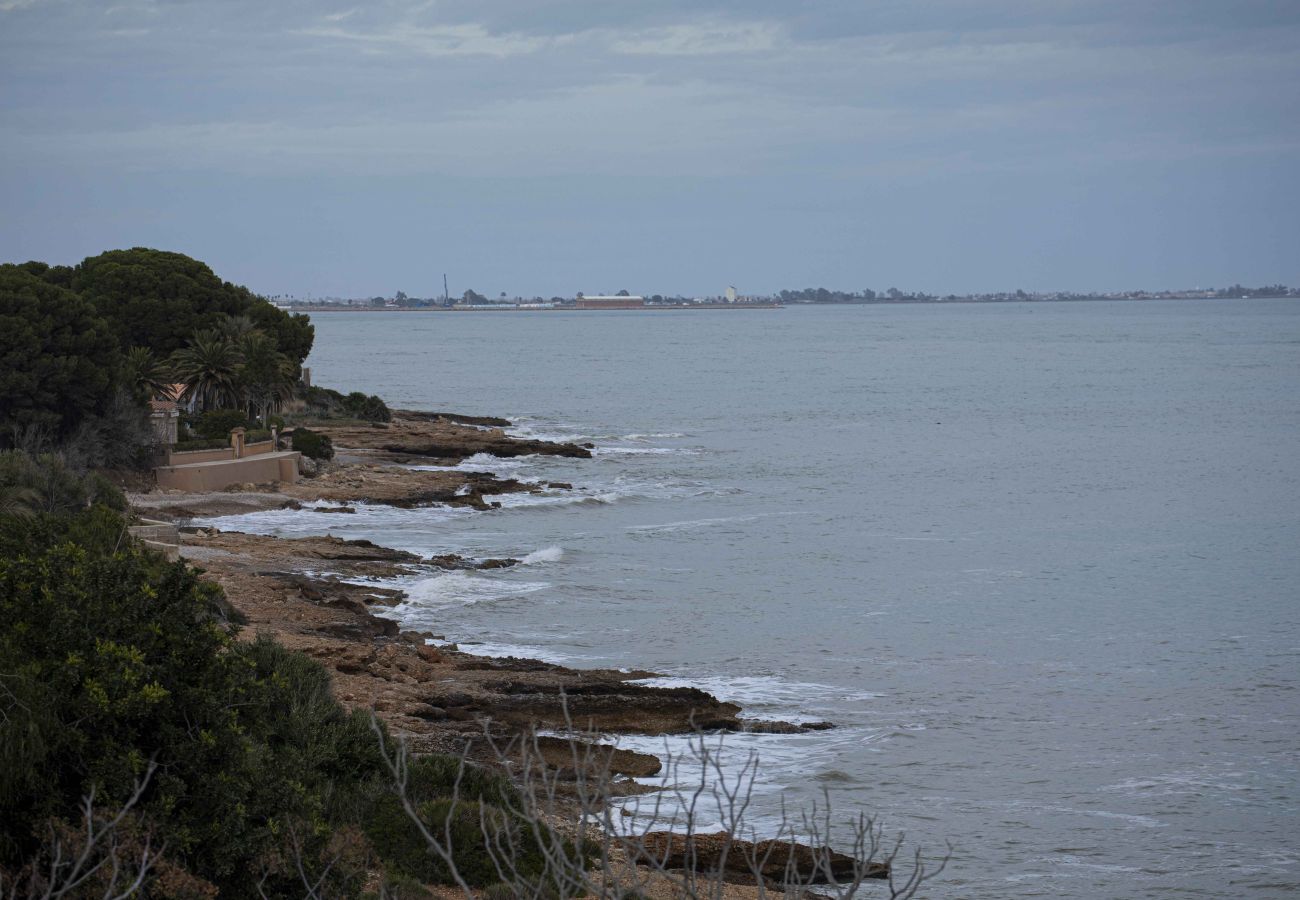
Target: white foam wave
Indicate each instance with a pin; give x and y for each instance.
(545, 555)
(545, 433)
(568, 498)
(496, 649)
(612, 444)
(726, 760)
(481, 462)
(367, 520)
(687, 525)
(619, 489)
(695, 524)
(1175, 783)
(768, 695)
(462, 588)
(644, 451)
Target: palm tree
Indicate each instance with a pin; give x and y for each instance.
(18, 501)
(266, 375)
(20, 474)
(236, 328)
(209, 369)
(146, 374)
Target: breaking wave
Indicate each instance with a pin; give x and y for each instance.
(545, 555)
(460, 589)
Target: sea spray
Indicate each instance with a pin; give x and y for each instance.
(545, 555)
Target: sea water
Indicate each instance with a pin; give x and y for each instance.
(1038, 562)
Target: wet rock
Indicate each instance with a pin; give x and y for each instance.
(771, 860)
(500, 446)
(450, 561)
(455, 698)
(767, 726)
(455, 418)
(569, 756)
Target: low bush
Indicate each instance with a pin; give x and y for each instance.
(329, 404)
(257, 435)
(43, 502)
(217, 423)
(312, 444)
(187, 446)
(472, 829)
(119, 670)
(438, 775)
(367, 407)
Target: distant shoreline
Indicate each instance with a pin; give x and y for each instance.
(313, 308)
(504, 307)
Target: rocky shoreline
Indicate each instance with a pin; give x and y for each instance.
(312, 595)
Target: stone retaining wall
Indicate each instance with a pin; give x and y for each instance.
(220, 474)
(163, 537)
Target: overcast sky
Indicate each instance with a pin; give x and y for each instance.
(663, 146)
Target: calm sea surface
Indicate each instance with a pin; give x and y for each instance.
(1040, 563)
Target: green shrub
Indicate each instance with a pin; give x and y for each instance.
(313, 444)
(257, 435)
(43, 503)
(367, 407)
(330, 404)
(187, 446)
(113, 659)
(45, 484)
(217, 423)
(397, 886)
(466, 807)
(468, 827)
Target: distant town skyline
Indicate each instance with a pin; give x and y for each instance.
(941, 146)
(805, 295)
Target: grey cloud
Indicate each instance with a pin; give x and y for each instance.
(876, 96)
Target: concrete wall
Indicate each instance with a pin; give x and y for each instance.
(163, 537)
(219, 474)
(154, 530)
(199, 456)
(185, 457)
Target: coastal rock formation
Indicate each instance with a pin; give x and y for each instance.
(344, 484)
(772, 860)
(408, 437)
(570, 757)
(454, 418)
(440, 695)
(320, 596)
(501, 446)
(406, 488)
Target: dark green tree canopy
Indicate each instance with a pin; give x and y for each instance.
(158, 299)
(58, 360)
